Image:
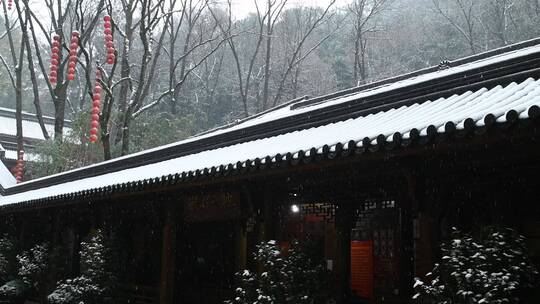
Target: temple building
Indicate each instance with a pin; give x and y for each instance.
(32, 134)
(375, 177)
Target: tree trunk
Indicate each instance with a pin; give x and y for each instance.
(356, 59)
(59, 111)
(18, 111)
(125, 72)
(268, 57)
(33, 77)
(363, 70)
(18, 100)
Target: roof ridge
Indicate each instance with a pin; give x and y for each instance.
(251, 117)
(28, 116)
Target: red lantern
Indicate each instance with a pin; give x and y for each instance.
(19, 168)
(96, 103)
(55, 55)
(110, 59)
(10, 4)
(109, 39)
(73, 51)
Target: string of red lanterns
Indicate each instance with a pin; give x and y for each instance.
(55, 57)
(109, 39)
(19, 167)
(96, 96)
(73, 50)
(9, 4)
(96, 103)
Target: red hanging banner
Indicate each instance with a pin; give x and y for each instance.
(362, 268)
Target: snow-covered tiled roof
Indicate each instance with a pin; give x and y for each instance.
(481, 93)
(31, 128)
(28, 156)
(500, 103)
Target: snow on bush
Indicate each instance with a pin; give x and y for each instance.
(91, 285)
(11, 288)
(7, 258)
(290, 277)
(34, 264)
(492, 268)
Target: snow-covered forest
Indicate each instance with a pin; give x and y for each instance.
(167, 69)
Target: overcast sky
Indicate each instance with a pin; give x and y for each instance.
(242, 8)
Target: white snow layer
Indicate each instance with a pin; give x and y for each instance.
(31, 129)
(13, 155)
(457, 108)
(6, 178)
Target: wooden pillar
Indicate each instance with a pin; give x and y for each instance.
(411, 202)
(73, 244)
(344, 221)
(23, 225)
(267, 198)
(240, 246)
(168, 253)
(269, 216)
